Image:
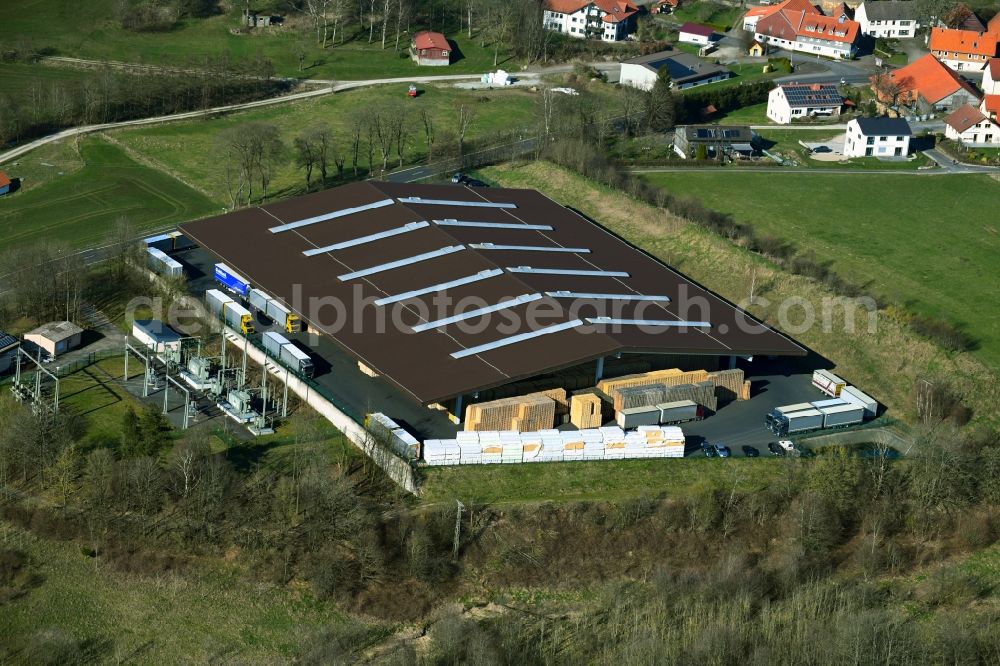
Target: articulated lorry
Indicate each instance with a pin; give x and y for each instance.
(274, 310)
(231, 280)
(287, 353)
(803, 417)
(229, 311)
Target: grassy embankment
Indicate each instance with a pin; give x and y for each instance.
(57, 26)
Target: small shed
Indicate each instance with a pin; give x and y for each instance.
(756, 49)
(8, 350)
(159, 338)
(56, 337)
(4, 183)
(695, 33)
(430, 48)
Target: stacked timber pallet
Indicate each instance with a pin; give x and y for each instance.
(702, 393)
(585, 411)
(730, 385)
(535, 411)
(509, 447)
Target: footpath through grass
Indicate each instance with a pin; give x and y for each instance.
(929, 243)
(79, 206)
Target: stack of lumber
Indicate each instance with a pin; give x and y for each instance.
(535, 411)
(585, 411)
(669, 377)
(729, 384)
(507, 447)
(702, 393)
(744, 391)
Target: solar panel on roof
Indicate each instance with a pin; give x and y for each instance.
(649, 322)
(502, 305)
(453, 202)
(514, 339)
(330, 216)
(450, 249)
(441, 286)
(493, 225)
(529, 248)
(605, 297)
(361, 240)
(565, 271)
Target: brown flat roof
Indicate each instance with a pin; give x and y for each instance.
(423, 364)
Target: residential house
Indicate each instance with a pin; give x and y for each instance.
(693, 33)
(927, 85)
(969, 19)
(790, 101)
(991, 76)
(664, 6)
(55, 337)
(994, 24)
(991, 107)
(430, 48)
(757, 49)
(877, 137)
(607, 20)
(888, 19)
(719, 140)
(8, 351)
(4, 183)
(970, 127)
(842, 10)
(964, 50)
(754, 14)
(810, 33)
(686, 71)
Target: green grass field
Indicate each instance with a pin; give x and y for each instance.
(189, 147)
(926, 242)
(57, 25)
(97, 187)
(19, 79)
(786, 143)
(719, 16)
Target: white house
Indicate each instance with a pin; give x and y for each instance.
(890, 19)
(803, 100)
(693, 33)
(970, 127)
(607, 20)
(991, 76)
(877, 137)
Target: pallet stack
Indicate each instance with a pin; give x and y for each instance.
(702, 393)
(729, 385)
(638, 396)
(585, 411)
(532, 412)
(610, 443)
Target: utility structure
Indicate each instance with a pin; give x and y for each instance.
(150, 379)
(34, 393)
(459, 508)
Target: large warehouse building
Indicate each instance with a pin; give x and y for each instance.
(447, 292)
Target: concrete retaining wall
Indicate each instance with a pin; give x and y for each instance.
(849, 437)
(398, 469)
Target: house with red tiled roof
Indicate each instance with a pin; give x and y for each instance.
(991, 76)
(928, 85)
(607, 20)
(994, 24)
(970, 127)
(991, 107)
(430, 48)
(755, 14)
(811, 33)
(964, 50)
(695, 33)
(4, 184)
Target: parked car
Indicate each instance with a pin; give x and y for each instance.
(472, 182)
(822, 149)
(708, 450)
(775, 448)
(722, 450)
(787, 445)
(750, 452)
(457, 177)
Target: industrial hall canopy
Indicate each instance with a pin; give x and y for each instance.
(484, 286)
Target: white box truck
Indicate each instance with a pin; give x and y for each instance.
(828, 383)
(230, 311)
(285, 351)
(274, 310)
(633, 417)
(854, 395)
(680, 411)
(839, 416)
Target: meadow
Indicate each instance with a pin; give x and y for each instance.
(78, 197)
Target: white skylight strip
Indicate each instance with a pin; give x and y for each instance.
(529, 248)
(330, 216)
(364, 272)
(649, 322)
(481, 275)
(452, 202)
(565, 271)
(502, 305)
(514, 339)
(361, 240)
(492, 225)
(606, 297)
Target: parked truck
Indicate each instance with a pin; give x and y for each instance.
(840, 416)
(633, 417)
(274, 310)
(680, 411)
(828, 383)
(854, 395)
(783, 424)
(159, 262)
(231, 280)
(229, 311)
(287, 353)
